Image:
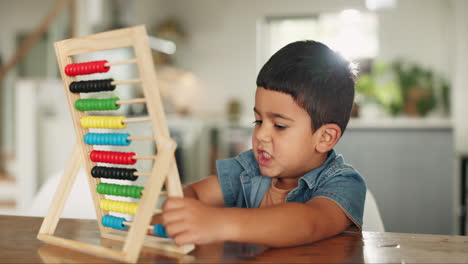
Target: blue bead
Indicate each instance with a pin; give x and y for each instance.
(159, 230)
(113, 222)
(107, 139)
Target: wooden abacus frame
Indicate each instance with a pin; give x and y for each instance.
(164, 169)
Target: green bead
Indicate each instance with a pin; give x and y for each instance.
(119, 190)
(97, 104)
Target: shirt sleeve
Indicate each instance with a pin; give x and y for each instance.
(229, 171)
(348, 190)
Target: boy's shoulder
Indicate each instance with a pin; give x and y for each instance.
(333, 166)
(337, 181)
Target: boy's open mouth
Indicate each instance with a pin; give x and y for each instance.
(264, 158)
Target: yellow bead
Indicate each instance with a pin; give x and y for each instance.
(112, 122)
(118, 206)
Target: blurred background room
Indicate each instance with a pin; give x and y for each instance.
(408, 135)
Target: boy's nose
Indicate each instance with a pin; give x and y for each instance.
(263, 134)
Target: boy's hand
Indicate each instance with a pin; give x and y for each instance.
(189, 221)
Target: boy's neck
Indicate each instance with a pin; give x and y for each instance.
(286, 183)
(290, 183)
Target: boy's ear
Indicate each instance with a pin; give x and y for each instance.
(328, 136)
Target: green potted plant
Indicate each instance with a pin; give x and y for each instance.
(379, 86)
(404, 88)
(417, 88)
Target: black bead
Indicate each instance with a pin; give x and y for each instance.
(92, 86)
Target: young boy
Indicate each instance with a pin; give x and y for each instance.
(291, 188)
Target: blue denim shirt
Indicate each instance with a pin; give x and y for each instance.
(243, 186)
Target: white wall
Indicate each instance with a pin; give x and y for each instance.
(151, 12)
(221, 49)
(418, 30)
(460, 90)
(460, 77)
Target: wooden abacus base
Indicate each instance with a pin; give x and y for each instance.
(131, 246)
(105, 252)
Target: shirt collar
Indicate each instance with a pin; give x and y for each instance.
(310, 177)
(247, 161)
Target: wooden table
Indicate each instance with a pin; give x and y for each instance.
(18, 244)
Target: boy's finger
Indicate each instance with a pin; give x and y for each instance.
(172, 216)
(173, 203)
(174, 229)
(184, 239)
(156, 219)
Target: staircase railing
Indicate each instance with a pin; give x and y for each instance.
(32, 38)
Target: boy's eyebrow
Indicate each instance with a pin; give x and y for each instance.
(271, 114)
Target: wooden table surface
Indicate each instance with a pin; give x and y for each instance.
(18, 244)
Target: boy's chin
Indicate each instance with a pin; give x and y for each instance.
(268, 172)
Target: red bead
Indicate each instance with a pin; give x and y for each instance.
(86, 68)
(113, 157)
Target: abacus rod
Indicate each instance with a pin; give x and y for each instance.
(132, 61)
(131, 101)
(136, 119)
(162, 193)
(126, 82)
(144, 157)
(156, 211)
(141, 138)
(142, 174)
(131, 224)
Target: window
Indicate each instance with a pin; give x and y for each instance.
(350, 32)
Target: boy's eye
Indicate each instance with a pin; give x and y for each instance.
(257, 122)
(280, 127)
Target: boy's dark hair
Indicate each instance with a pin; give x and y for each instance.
(320, 80)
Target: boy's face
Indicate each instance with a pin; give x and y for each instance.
(283, 141)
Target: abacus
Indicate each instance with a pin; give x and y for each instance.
(164, 171)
